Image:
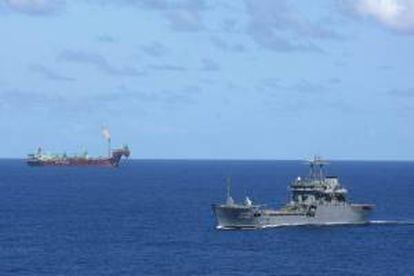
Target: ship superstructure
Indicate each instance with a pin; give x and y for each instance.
(315, 199)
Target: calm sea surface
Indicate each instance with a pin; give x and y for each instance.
(154, 218)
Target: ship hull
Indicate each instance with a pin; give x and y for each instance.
(236, 217)
(239, 217)
(73, 163)
(39, 160)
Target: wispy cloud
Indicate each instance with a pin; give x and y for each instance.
(275, 25)
(303, 96)
(385, 67)
(48, 73)
(305, 86)
(155, 49)
(182, 15)
(404, 93)
(334, 80)
(106, 38)
(56, 102)
(185, 20)
(268, 39)
(340, 63)
(397, 15)
(122, 93)
(155, 4)
(167, 67)
(98, 62)
(119, 98)
(302, 86)
(35, 7)
(225, 46)
(12, 98)
(184, 96)
(230, 25)
(209, 65)
(176, 97)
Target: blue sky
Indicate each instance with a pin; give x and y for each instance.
(246, 79)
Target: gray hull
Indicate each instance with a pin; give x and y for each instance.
(240, 216)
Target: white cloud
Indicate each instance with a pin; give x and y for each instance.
(35, 7)
(395, 14)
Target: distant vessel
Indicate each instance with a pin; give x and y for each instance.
(112, 160)
(316, 200)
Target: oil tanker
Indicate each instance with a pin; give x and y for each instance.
(39, 158)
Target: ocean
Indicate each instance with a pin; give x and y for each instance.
(153, 217)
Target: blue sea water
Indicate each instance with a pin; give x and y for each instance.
(155, 218)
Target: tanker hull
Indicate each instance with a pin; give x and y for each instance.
(41, 160)
(72, 163)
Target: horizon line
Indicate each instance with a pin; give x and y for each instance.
(246, 159)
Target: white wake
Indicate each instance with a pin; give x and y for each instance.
(392, 222)
(371, 222)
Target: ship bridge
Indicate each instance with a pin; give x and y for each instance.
(316, 186)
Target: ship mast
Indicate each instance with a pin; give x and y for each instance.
(109, 147)
(316, 168)
(229, 199)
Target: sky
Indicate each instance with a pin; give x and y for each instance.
(200, 79)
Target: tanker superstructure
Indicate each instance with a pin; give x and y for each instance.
(113, 159)
(315, 200)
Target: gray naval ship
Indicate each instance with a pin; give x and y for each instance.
(316, 200)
